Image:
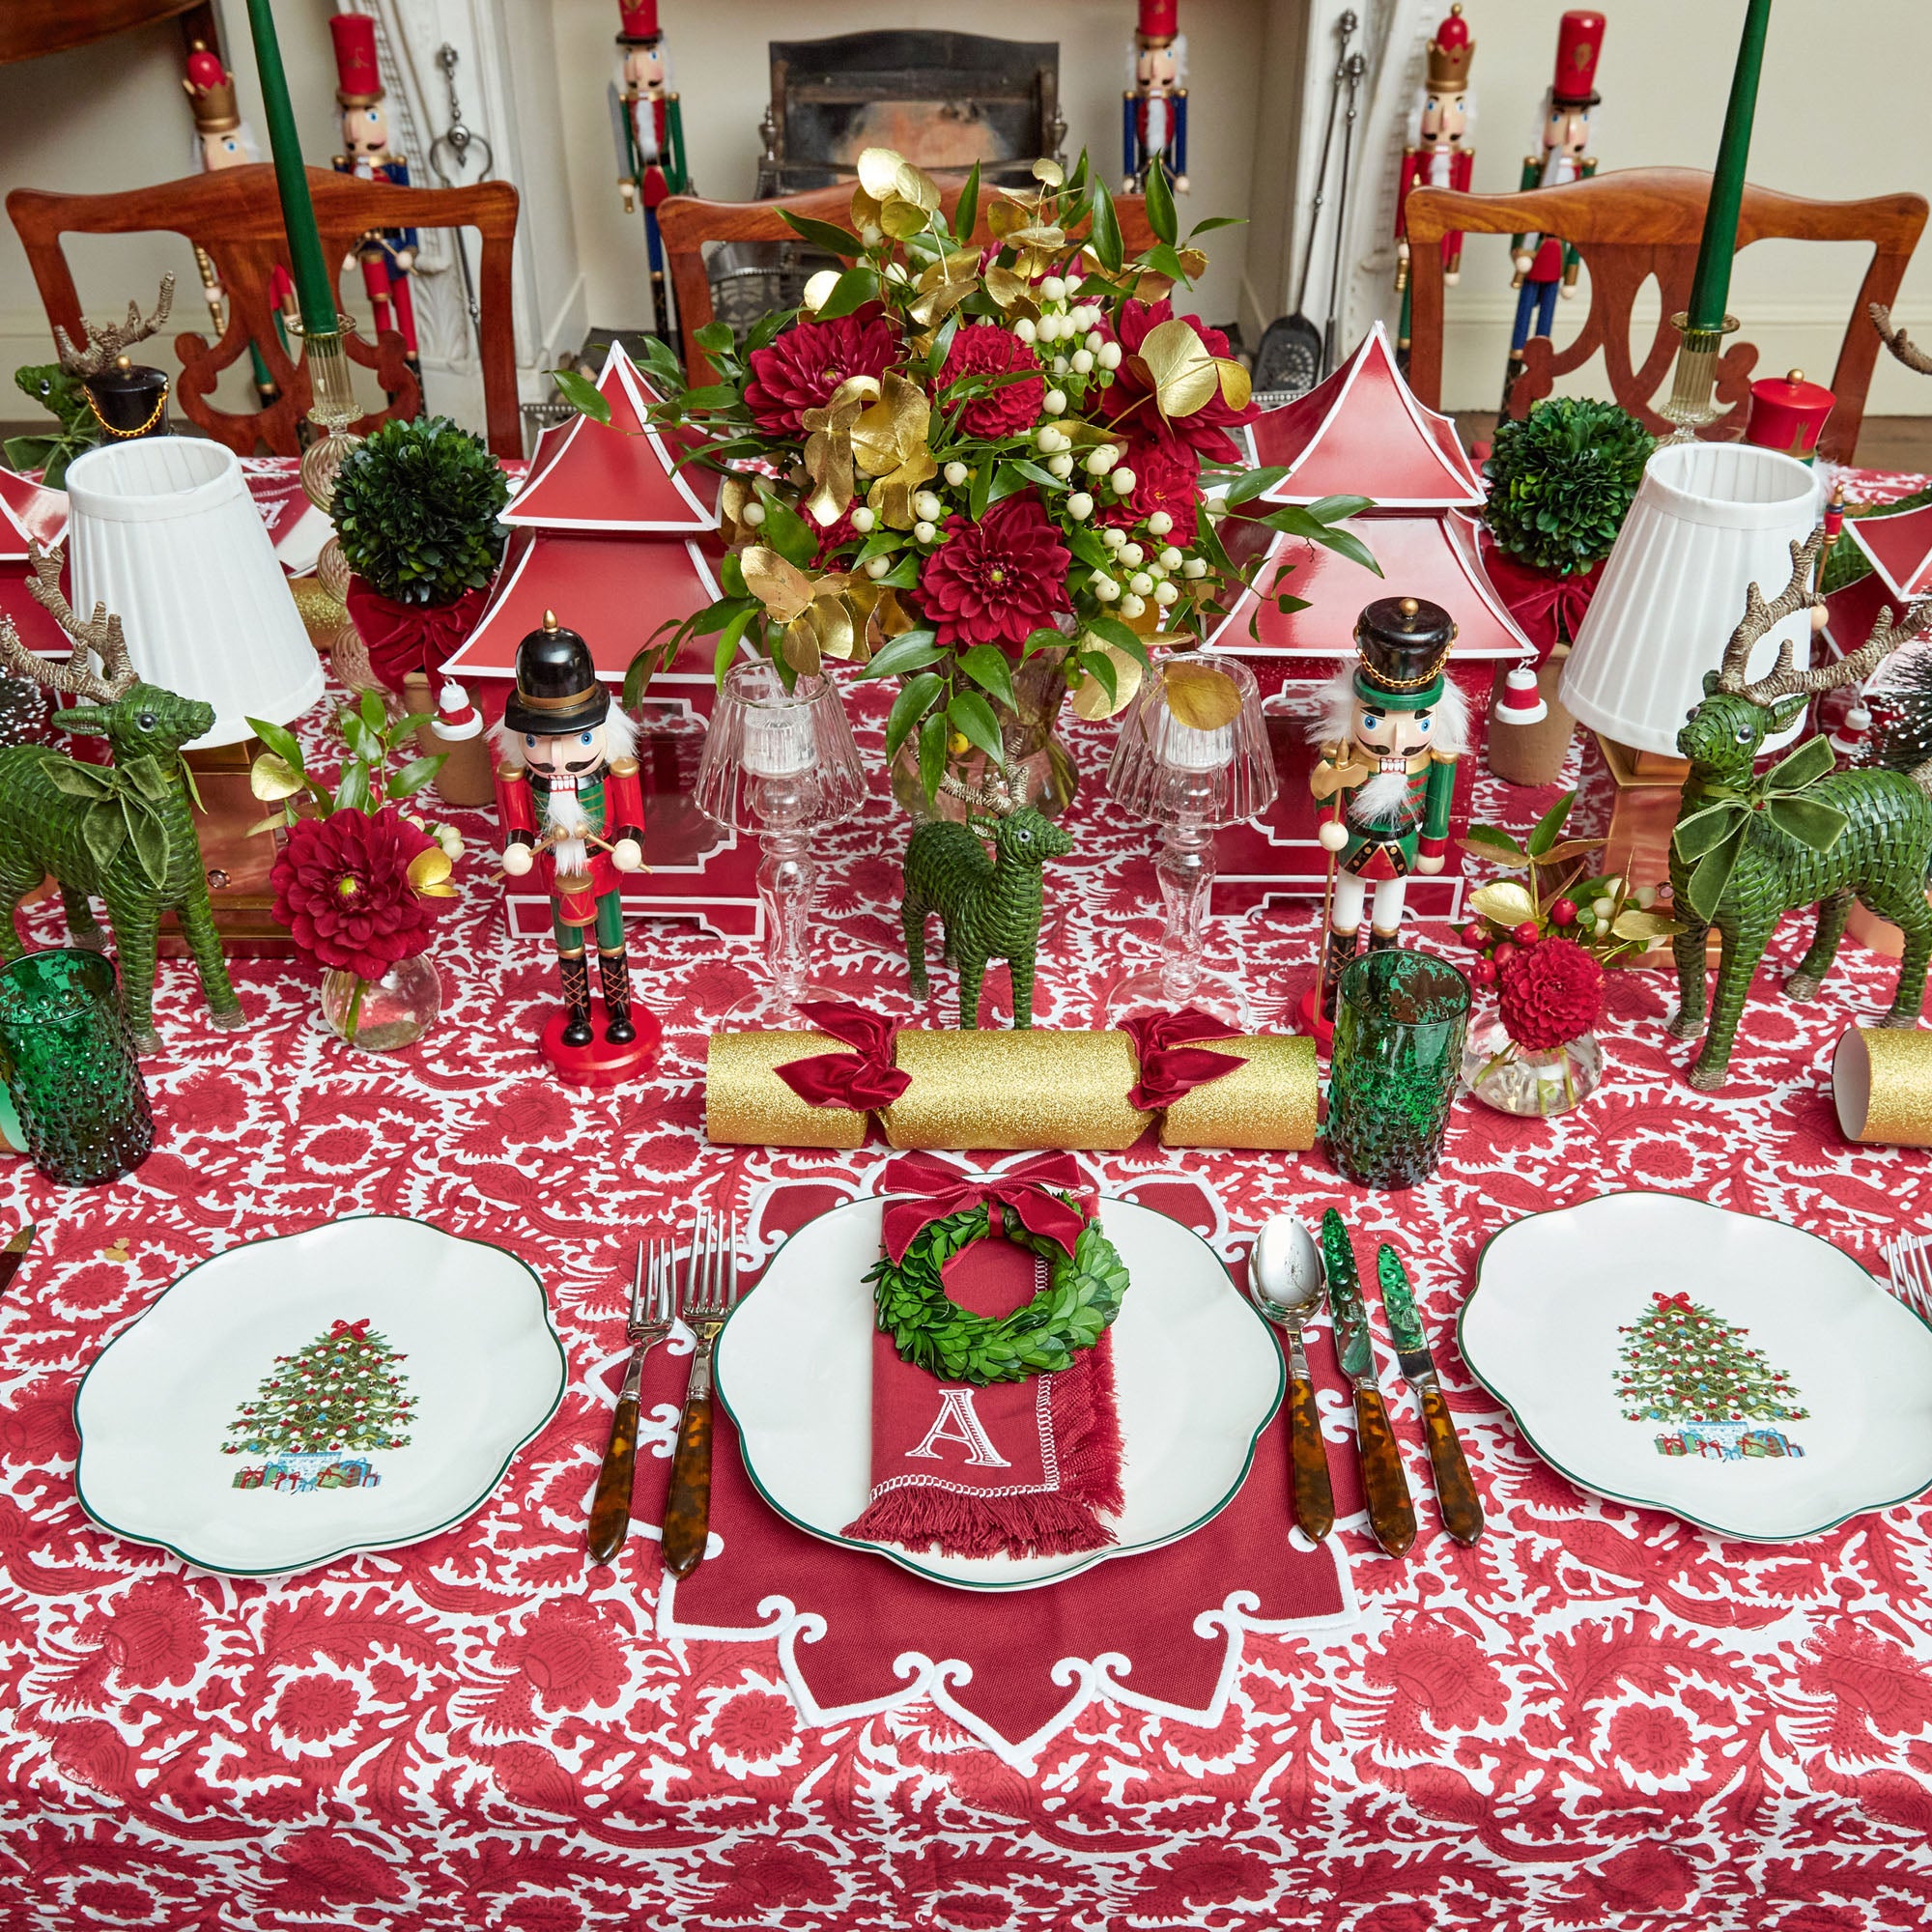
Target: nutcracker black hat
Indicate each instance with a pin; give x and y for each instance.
(1404, 644)
(557, 687)
(129, 399)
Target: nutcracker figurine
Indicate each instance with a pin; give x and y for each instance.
(1153, 110)
(1440, 155)
(1391, 728)
(387, 255)
(572, 809)
(222, 140)
(649, 125)
(1544, 265)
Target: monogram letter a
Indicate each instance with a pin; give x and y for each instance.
(956, 1408)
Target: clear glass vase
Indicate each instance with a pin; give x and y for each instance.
(1041, 766)
(1533, 1081)
(380, 1015)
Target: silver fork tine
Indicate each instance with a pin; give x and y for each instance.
(661, 1282)
(714, 1299)
(690, 1301)
(734, 1292)
(638, 1288)
(1917, 1274)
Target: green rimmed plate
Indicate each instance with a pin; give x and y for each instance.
(359, 1386)
(1196, 1374)
(1740, 1373)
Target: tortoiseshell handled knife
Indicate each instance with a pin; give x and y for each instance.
(1455, 1490)
(1391, 1515)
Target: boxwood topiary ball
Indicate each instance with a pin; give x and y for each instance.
(1561, 482)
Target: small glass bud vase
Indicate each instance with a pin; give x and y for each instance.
(780, 765)
(381, 1015)
(1528, 1080)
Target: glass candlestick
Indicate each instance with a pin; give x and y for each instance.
(1190, 775)
(1693, 378)
(333, 407)
(780, 765)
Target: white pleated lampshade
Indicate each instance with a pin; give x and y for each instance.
(1709, 521)
(164, 531)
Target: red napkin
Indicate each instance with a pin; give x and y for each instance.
(1024, 1468)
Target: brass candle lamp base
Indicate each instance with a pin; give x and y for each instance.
(1694, 382)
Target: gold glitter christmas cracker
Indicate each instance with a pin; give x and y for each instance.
(995, 1091)
(746, 1105)
(1268, 1104)
(1011, 1090)
(1882, 1082)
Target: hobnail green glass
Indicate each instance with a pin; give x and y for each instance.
(1397, 1057)
(70, 1067)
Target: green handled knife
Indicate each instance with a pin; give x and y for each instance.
(1455, 1490)
(1391, 1515)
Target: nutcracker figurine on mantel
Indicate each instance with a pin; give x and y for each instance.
(1390, 731)
(1153, 110)
(1544, 265)
(649, 124)
(1439, 153)
(572, 809)
(387, 255)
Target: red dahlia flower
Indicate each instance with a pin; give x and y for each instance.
(1131, 401)
(997, 580)
(1550, 993)
(1166, 476)
(802, 368)
(342, 887)
(986, 349)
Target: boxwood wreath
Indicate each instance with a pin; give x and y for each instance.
(931, 1331)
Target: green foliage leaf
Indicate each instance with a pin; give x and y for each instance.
(787, 533)
(909, 651)
(823, 234)
(987, 666)
(1105, 231)
(1561, 482)
(280, 740)
(967, 212)
(932, 753)
(1491, 842)
(352, 793)
(854, 289)
(1100, 667)
(1252, 482)
(1543, 836)
(714, 337)
(410, 779)
(1116, 634)
(970, 713)
(917, 697)
(1160, 206)
(581, 394)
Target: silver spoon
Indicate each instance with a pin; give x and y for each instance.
(1285, 1277)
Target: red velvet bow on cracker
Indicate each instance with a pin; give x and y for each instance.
(401, 638)
(1538, 602)
(938, 1189)
(1171, 1067)
(862, 1079)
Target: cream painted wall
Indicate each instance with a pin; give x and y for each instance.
(1840, 116)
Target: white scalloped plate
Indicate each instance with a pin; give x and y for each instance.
(1541, 1331)
(154, 1410)
(1196, 1374)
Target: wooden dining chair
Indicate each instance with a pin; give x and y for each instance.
(1636, 223)
(687, 224)
(236, 217)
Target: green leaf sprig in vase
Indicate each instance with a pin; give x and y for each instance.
(357, 878)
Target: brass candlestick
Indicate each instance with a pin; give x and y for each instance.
(1693, 380)
(333, 407)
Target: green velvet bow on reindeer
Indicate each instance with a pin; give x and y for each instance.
(122, 803)
(1711, 838)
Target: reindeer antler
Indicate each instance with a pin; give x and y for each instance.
(993, 795)
(104, 344)
(101, 634)
(1898, 342)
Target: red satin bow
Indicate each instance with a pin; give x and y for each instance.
(857, 1080)
(938, 1189)
(1541, 603)
(401, 638)
(1169, 1066)
(359, 1330)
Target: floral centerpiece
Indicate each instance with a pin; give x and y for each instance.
(994, 471)
(358, 877)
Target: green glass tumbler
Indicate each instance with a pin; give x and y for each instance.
(1397, 1057)
(71, 1067)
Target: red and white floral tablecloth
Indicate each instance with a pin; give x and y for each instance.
(1597, 1717)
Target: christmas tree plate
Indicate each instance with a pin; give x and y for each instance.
(355, 1387)
(1742, 1374)
(1197, 1375)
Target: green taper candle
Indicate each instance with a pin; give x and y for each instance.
(314, 287)
(1711, 285)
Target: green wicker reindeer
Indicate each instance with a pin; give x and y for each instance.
(1747, 850)
(990, 907)
(122, 834)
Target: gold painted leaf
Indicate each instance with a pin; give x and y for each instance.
(1003, 216)
(1182, 374)
(866, 212)
(937, 303)
(1237, 386)
(1049, 171)
(1645, 925)
(1048, 241)
(270, 778)
(819, 288)
(903, 219)
(916, 185)
(1202, 697)
(781, 587)
(798, 645)
(879, 173)
(1504, 903)
(428, 870)
(1089, 695)
(1195, 262)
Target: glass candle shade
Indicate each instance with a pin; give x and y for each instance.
(1401, 1019)
(70, 1068)
(1190, 779)
(780, 764)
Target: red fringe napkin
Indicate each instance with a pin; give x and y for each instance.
(1024, 1468)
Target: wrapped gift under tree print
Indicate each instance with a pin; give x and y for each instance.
(1687, 1366)
(321, 1414)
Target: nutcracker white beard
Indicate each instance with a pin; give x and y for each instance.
(569, 824)
(1380, 802)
